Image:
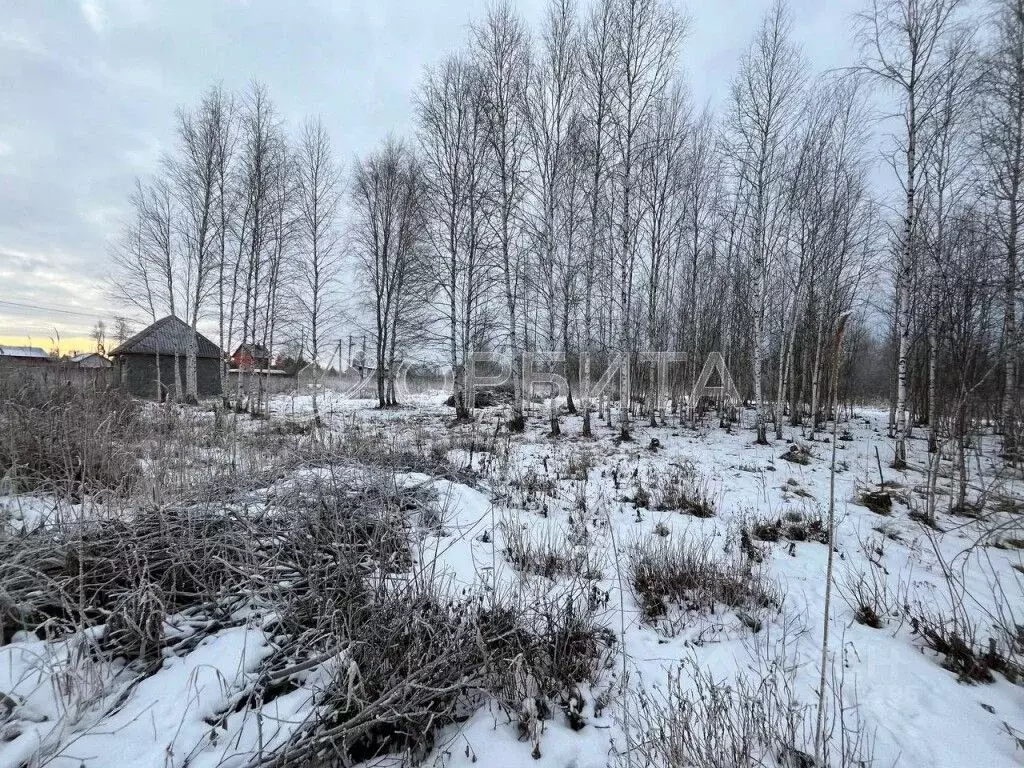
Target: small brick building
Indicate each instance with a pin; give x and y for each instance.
(145, 363)
(250, 357)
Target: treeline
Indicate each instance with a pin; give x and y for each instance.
(563, 193)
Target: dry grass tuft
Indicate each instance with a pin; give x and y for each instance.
(748, 722)
(550, 553)
(688, 576)
(67, 439)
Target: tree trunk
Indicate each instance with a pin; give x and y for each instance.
(1009, 404)
(762, 434)
(191, 350)
(517, 423)
(159, 383)
(177, 377)
(784, 366)
(816, 374)
(961, 452)
(933, 355)
(903, 288)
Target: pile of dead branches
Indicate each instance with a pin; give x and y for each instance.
(325, 563)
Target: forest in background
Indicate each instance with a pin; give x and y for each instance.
(562, 192)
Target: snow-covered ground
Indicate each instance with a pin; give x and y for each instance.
(600, 495)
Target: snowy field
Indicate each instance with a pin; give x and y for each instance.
(717, 662)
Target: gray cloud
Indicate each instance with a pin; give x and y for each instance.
(89, 89)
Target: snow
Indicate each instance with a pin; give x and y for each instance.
(161, 720)
(917, 712)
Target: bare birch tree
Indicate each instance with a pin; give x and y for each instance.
(501, 51)
(549, 104)
(902, 41)
(227, 198)
(645, 41)
(194, 170)
(596, 87)
(260, 156)
(282, 227)
(947, 180)
(138, 281)
(702, 192)
(387, 206)
(318, 187)
(1002, 144)
(663, 201)
(450, 121)
(764, 109)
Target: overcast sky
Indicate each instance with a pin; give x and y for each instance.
(88, 90)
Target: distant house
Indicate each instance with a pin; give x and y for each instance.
(24, 354)
(250, 356)
(145, 363)
(22, 361)
(89, 360)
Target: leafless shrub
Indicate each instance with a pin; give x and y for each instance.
(579, 465)
(579, 497)
(641, 497)
(792, 485)
(365, 510)
(966, 650)
(406, 660)
(82, 572)
(390, 449)
(976, 635)
(871, 597)
(201, 553)
(529, 489)
(134, 629)
(556, 645)
(322, 559)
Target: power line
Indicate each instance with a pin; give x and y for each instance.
(43, 308)
(38, 322)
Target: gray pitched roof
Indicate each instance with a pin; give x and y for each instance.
(95, 357)
(35, 352)
(253, 350)
(167, 336)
